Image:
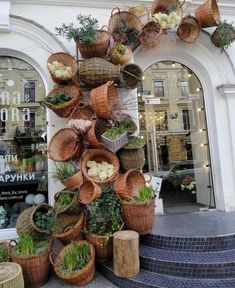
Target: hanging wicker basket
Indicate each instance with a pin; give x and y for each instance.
(131, 158)
(149, 34)
(67, 60)
(81, 277)
(74, 181)
(11, 275)
(120, 58)
(5, 245)
(208, 14)
(127, 185)
(89, 191)
(65, 145)
(98, 48)
(131, 76)
(97, 71)
(165, 6)
(25, 222)
(68, 228)
(105, 100)
(66, 108)
(189, 29)
(99, 155)
(139, 217)
(93, 135)
(73, 208)
(142, 12)
(216, 39)
(35, 268)
(82, 111)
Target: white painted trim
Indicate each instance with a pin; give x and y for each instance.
(4, 16)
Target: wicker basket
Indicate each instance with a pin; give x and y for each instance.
(105, 99)
(88, 192)
(116, 143)
(11, 275)
(5, 244)
(67, 60)
(93, 135)
(163, 6)
(64, 145)
(74, 181)
(97, 71)
(81, 277)
(149, 34)
(119, 59)
(216, 40)
(208, 14)
(142, 12)
(68, 228)
(66, 108)
(25, 222)
(82, 111)
(73, 208)
(95, 49)
(130, 20)
(99, 155)
(35, 268)
(139, 217)
(131, 159)
(131, 76)
(189, 29)
(127, 185)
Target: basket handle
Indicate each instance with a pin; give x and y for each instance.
(116, 8)
(182, 3)
(51, 256)
(104, 28)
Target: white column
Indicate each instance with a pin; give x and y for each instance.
(5, 16)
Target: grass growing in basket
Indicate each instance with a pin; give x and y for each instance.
(75, 259)
(63, 200)
(114, 132)
(145, 195)
(3, 253)
(63, 171)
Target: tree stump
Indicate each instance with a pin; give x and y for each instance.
(126, 261)
(11, 275)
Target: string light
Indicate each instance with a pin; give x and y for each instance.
(173, 64)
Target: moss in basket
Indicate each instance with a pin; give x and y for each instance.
(44, 220)
(64, 170)
(85, 32)
(104, 214)
(145, 195)
(64, 199)
(226, 34)
(3, 254)
(75, 259)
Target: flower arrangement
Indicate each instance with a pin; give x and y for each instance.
(189, 185)
(167, 21)
(79, 124)
(100, 171)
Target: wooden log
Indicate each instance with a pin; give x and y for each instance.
(126, 261)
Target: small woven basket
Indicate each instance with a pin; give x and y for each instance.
(120, 59)
(97, 71)
(74, 181)
(11, 275)
(66, 108)
(142, 12)
(67, 60)
(216, 39)
(132, 159)
(115, 144)
(105, 99)
(93, 135)
(81, 277)
(64, 145)
(189, 29)
(208, 14)
(95, 49)
(73, 208)
(99, 155)
(131, 76)
(139, 217)
(149, 34)
(88, 192)
(127, 185)
(82, 111)
(68, 228)
(5, 245)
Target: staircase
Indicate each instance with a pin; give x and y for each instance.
(182, 262)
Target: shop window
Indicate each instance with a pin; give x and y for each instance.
(158, 88)
(29, 91)
(183, 89)
(187, 119)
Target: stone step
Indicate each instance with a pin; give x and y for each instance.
(220, 264)
(147, 279)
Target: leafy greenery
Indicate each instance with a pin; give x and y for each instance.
(44, 219)
(27, 246)
(128, 34)
(58, 98)
(75, 259)
(104, 214)
(84, 33)
(134, 143)
(63, 171)
(226, 33)
(3, 253)
(145, 195)
(171, 8)
(63, 200)
(114, 132)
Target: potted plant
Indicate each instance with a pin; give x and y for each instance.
(66, 201)
(189, 186)
(115, 138)
(75, 263)
(223, 35)
(33, 256)
(4, 257)
(120, 54)
(90, 41)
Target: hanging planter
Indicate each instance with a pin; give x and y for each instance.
(66, 202)
(149, 34)
(131, 76)
(114, 139)
(142, 12)
(208, 14)
(88, 192)
(82, 111)
(189, 29)
(120, 55)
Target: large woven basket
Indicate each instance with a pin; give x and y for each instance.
(81, 277)
(149, 34)
(189, 29)
(67, 60)
(95, 49)
(130, 20)
(5, 245)
(127, 185)
(99, 155)
(82, 111)
(208, 14)
(11, 275)
(25, 222)
(139, 217)
(35, 268)
(68, 228)
(97, 71)
(64, 145)
(164, 6)
(66, 108)
(132, 159)
(131, 76)
(88, 192)
(105, 100)
(74, 181)
(73, 208)
(93, 135)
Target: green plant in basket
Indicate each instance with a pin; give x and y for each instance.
(115, 132)
(224, 35)
(64, 199)
(44, 220)
(134, 143)
(58, 98)
(63, 171)
(146, 195)
(128, 35)
(3, 253)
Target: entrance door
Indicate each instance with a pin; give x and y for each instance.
(173, 122)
